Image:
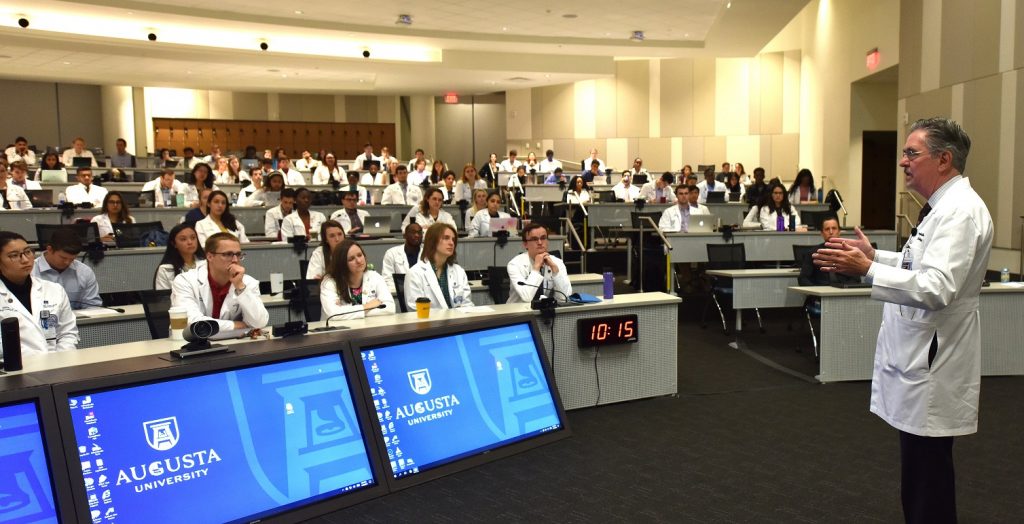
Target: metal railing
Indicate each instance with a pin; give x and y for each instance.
(572, 232)
(900, 220)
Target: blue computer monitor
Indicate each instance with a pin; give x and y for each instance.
(31, 489)
(456, 397)
(234, 444)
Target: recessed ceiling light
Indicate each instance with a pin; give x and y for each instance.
(298, 11)
(547, 75)
(728, 5)
(504, 28)
(188, 72)
(130, 13)
(569, 15)
(66, 63)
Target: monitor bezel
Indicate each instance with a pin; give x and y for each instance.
(479, 458)
(62, 391)
(60, 484)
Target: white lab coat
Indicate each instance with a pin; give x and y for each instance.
(17, 197)
(192, 194)
(79, 194)
(292, 225)
(649, 192)
(293, 177)
(626, 194)
(481, 224)
(191, 290)
(206, 228)
(672, 219)
(395, 262)
(374, 287)
(421, 281)
(936, 296)
(341, 216)
(104, 225)
(702, 186)
(158, 194)
(521, 269)
(322, 176)
(315, 269)
(47, 297)
(768, 218)
(393, 195)
(426, 220)
(272, 221)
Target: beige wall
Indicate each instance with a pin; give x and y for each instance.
(968, 64)
(31, 110)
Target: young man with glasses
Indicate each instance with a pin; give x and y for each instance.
(221, 291)
(537, 268)
(45, 320)
(59, 264)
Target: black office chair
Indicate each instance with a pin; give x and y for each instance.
(724, 256)
(88, 232)
(812, 307)
(498, 283)
(135, 235)
(311, 292)
(155, 303)
(399, 279)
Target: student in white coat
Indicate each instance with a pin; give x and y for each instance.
(331, 234)
(292, 177)
(676, 219)
(45, 319)
(165, 189)
(329, 170)
(399, 259)
(220, 290)
(220, 220)
(481, 225)
(429, 211)
(350, 216)
(274, 216)
(303, 220)
(537, 268)
(349, 290)
(401, 191)
(85, 192)
(200, 177)
(778, 206)
(13, 196)
(437, 276)
(927, 368)
(183, 254)
(112, 213)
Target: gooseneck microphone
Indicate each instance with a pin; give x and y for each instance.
(355, 309)
(527, 284)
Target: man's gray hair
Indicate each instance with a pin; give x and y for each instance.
(944, 134)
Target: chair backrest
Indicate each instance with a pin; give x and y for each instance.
(87, 231)
(498, 283)
(726, 256)
(399, 279)
(802, 252)
(131, 235)
(156, 303)
(313, 308)
(634, 218)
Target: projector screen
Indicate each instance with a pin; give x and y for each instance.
(26, 493)
(230, 445)
(450, 397)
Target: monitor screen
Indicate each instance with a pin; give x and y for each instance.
(450, 397)
(223, 446)
(26, 492)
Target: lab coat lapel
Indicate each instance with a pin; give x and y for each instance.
(435, 285)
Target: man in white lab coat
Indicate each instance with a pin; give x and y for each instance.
(927, 371)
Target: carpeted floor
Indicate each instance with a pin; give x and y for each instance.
(742, 442)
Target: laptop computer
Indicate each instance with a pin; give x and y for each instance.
(131, 198)
(377, 225)
(272, 198)
(54, 176)
(503, 224)
(715, 197)
(734, 196)
(701, 224)
(81, 161)
(40, 197)
(368, 163)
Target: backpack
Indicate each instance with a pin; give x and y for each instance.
(155, 237)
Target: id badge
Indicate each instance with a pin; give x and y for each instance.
(457, 300)
(48, 323)
(908, 258)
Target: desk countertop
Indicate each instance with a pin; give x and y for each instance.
(755, 273)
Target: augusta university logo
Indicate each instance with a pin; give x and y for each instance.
(419, 380)
(161, 434)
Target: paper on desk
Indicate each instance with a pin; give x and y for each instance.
(95, 312)
(475, 309)
(1013, 284)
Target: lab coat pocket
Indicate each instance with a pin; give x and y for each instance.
(906, 345)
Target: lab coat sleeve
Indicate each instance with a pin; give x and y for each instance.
(183, 294)
(67, 326)
(380, 286)
(474, 225)
(164, 277)
(242, 239)
(462, 287)
(520, 272)
(388, 268)
(270, 227)
(667, 222)
(254, 313)
(415, 286)
(315, 270)
(943, 268)
(332, 304)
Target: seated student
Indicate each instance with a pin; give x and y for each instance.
(776, 214)
(659, 190)
(510, 165)
(399, 259)
(220, 290)
(757, 190)
(19, 176)
(549, 164)
(375, 176)
(51, 162)
(366, 155)
(113, 212)
(20, 151)
(292, 177)
(254, 194)
(274, 216)
(59, 264)
(802, 189)
(478, 202)
(349, 216)
(303, 220)
(593, 170)
(85, 192)
(437, 276)
(578, 192)
(199, 212)
(222, 174)
(121, 157)
(401, 192)
(429, 211)
(734, 186)
(536, 267)
(183, 253)
(306, 162)
(555, 177)
(587, 162)
(13, 196)
(419, 174)
(447, 187)
(328, 171)
(470, 182)
(481, 224)
(165, 189)
(200, 177)
(676, 219)
(220, 220)
(709, 185)
(625, 191)
(696, 208)
(77, 150)
(189, 159)
(812, 275)
(348, 284)
(45, 320)
(352, 185)
(489, 171)
(331, 234)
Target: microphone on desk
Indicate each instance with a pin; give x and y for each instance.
(354, 309)
(527, 284)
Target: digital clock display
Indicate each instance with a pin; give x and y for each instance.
(603, 331)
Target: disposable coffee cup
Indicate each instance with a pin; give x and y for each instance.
(179, 321)
(276, 283)
(423, 307)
